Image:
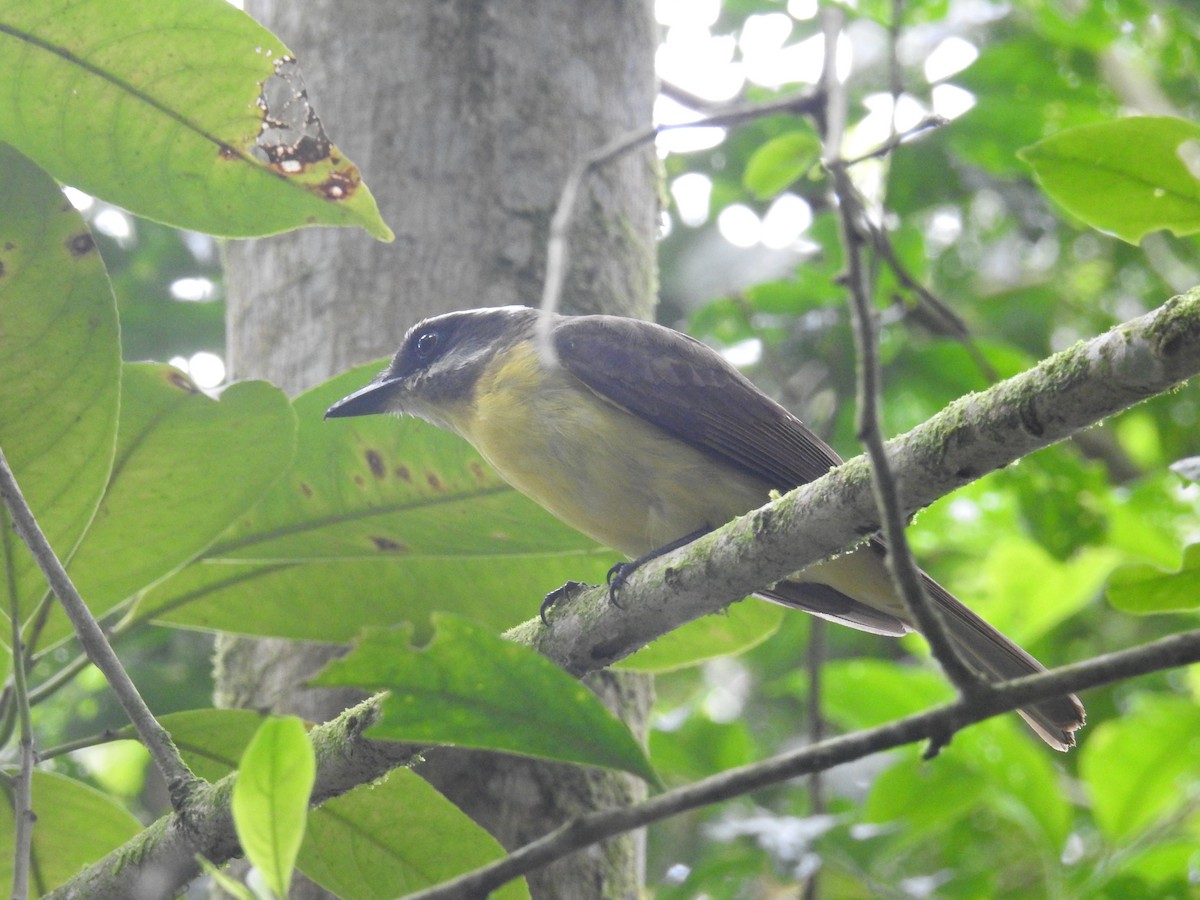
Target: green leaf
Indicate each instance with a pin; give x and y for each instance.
(211, 741)
(865, 693)
(160, 107)
(1129, 176)
(1137, 768)
(781, 161)
(270, 798)
(60, 367)
(993, 795)
(737, 629)
(400, 516)
(1143, 589)
(76, 825)
(380, 840)
(186, 467)
(392, 838)
(471, 688)
(1030, 593)
(701, 747)
(919, 798)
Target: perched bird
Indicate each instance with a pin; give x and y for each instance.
(640, 437)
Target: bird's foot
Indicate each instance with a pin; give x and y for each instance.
(617, 576)
(621, 572)
(565, 592)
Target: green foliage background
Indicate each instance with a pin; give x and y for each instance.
(1079, 549)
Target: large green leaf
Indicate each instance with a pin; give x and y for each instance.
(186, 467)
(470, 688)
(388, 520)
(1129, 176)
(76, 825)
(163, 109)
(333, 601)
(395, 837)
(1142, 767)
(270, 798)
(1030, 593)
(1142, 588)
(211, 741)
(60, 366)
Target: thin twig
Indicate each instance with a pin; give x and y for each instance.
(1165, 653)
(179, 778)
(560, 224)
(107, 736)
(895, 141)
(23, 783)
(904, 569)
(948, 321)
(851, 215)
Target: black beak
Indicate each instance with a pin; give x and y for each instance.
(363, 402)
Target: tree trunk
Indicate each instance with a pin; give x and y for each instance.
(465, 117)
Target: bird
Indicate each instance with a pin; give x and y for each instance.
(641, 438)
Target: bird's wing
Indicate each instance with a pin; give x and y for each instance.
(690, 391)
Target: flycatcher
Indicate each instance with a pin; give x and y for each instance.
(642, 437)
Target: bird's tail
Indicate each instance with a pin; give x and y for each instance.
(998, 659)
(982, 647)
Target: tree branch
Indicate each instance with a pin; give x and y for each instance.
(901, 565)
(162, 858)
(972, 436)
(1176, 650)
(180, 780)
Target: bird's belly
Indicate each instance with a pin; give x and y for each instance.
(607, 473)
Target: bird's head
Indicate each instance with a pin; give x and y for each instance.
(439, 364)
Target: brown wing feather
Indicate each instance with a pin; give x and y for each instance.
(700, 398)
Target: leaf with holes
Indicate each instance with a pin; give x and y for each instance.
(188, 113)
(186, 466)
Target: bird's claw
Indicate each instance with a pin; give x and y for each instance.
(616, 578)
(563, 592)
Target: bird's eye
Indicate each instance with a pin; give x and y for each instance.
(426, 344)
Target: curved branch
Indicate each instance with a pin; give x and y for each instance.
(974, 435)
(935, 724)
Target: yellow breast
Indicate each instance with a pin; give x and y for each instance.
(610, 474)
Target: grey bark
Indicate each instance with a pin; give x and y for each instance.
(465, 117)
